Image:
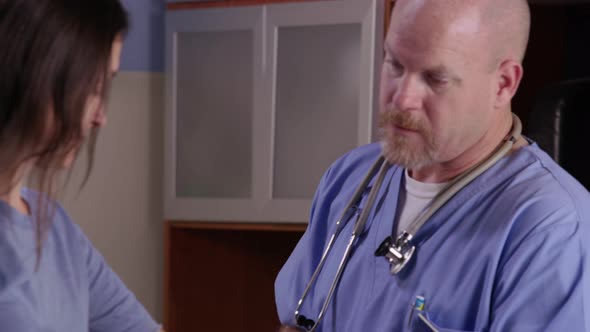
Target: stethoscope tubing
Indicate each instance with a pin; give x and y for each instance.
(347, 214)
(463, 180)
(381, 165)
(358, 228)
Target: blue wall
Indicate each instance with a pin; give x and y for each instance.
(143, 49)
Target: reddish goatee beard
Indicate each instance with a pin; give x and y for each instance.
(409, 152)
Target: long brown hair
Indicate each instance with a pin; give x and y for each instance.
(54, 55)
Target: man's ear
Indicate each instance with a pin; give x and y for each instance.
(509, 77)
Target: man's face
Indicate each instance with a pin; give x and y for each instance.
(436, 91)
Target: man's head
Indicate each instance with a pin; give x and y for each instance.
(450, 71)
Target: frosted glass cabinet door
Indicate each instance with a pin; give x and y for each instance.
(260, 100)
(213, 63)
(317, 102)
(323, 89)
(214, 114)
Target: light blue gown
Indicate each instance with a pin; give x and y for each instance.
(72, 290)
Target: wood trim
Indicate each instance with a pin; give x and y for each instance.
(214, 271)
(166, 288)
(388, 9)
(227, 3)
(269, 227)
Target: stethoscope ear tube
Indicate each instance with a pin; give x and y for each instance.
(475, 171)
(399, 252)
(358, 193)
(347, 214)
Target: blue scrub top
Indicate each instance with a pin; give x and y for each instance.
(72, 289)
(508, 252)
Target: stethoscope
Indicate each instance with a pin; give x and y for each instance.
(399, 252)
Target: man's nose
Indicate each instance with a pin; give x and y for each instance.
(408, 95)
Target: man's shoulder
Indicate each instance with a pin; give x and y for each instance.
(542, 196)
(550, 181)
(358, 160)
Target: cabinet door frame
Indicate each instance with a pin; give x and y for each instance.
(263, 20)
(366, 13)
(203, 20)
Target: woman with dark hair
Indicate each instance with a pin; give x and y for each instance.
(57, 58)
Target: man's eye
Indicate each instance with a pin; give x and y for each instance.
(436, 80)
(394, 67)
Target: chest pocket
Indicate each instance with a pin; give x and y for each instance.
(421, 322)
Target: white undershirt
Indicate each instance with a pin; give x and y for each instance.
(414, 196)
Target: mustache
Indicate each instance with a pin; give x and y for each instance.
(401, 119)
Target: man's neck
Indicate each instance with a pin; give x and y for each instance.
(446, 171)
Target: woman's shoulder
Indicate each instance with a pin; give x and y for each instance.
(59, 227)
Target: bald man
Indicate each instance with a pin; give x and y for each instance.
(483, 231)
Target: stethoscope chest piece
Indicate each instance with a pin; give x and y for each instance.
(397, 253)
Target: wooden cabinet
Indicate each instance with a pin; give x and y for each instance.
(220, 277)
(260, 100)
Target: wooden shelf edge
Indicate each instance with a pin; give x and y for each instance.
(227, 3)
(166, 289)
(388, 8)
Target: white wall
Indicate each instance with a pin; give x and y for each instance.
(120, 208)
